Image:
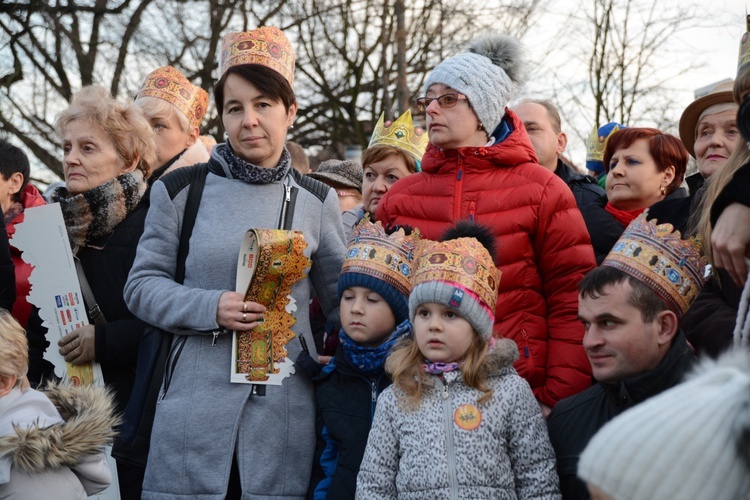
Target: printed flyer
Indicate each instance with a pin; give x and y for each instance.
(43, 239)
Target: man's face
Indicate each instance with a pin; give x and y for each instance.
(618, 342)
(547, 143)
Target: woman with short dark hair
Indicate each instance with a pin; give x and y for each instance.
(213, 438)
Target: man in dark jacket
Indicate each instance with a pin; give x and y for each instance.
(632, 339)
(542, 122)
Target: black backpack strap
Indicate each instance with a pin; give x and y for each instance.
(197, 181)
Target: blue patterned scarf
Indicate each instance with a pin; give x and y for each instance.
(371, 360)
(252, 174)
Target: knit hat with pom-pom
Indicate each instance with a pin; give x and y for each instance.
(486, 74)
(459, 272)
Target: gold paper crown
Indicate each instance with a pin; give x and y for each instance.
(168, 84)
(744, 56)
(267, 46)
(464, 262)
(389, 258)
(401, 134)
(595, 148)
(656, 256)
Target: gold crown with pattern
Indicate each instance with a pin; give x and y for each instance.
(658, 257)
(389, 258)
(744, 57)
(168, 84)
(267, 46)
(464, 262)
(401, 134)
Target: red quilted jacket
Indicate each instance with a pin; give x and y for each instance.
(31, 197)
(543, 247)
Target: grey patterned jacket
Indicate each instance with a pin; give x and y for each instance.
(446, 449)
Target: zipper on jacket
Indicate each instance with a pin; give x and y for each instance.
(525, 337)
(448, 419)
(374, 394)
(473, 211)
(172, 357)
(458, 191)
(284, 203)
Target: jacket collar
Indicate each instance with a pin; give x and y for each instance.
(669, 372)
(514, 150)
(569, 174)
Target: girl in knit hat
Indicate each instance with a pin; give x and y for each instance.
(458, 421)
(374, 290)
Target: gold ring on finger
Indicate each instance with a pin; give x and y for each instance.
(244, 307)
(244, 317)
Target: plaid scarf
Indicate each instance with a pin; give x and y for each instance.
(252, 174)
(96, 212)
(371, 360)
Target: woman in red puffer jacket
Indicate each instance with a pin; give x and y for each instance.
(543, 245)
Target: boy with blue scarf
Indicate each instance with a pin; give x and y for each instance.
(374, 291)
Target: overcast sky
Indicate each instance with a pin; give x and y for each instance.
(712, 47)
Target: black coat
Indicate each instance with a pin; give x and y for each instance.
(107, 264)
(709, 323)
(737, 191)
(575, 420)
(345, 401)
(585, 188)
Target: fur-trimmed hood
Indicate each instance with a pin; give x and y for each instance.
(86, 425)
(501, 356)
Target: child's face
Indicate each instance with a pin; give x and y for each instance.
(366, 317)
(442, 335)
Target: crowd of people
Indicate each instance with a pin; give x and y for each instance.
(477, 317)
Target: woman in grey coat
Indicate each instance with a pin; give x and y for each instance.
(212, 438)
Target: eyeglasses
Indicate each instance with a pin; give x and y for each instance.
(444, 101)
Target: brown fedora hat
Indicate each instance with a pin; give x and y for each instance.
(689, 119)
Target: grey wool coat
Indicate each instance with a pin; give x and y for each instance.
(428, 453)
(203, 418)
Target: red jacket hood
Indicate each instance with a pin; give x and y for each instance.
(31, 197)
(514, 150)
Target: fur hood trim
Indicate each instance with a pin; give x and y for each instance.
(502, 356)
(89, 414)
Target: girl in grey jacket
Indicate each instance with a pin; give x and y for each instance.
(458, 421)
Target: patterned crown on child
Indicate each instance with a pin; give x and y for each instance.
(381, 262)
(657, 256)
(168, 84)
(401, 134)
(267, 46)
(459, 273)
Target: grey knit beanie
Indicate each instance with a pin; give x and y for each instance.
(467, 305)
(487, 75)
(690, 442)
(347, 173)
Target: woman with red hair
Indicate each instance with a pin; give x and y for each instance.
(645, 166)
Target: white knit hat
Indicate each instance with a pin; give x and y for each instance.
(487, 75)
(690, 442)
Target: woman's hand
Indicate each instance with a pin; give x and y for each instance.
(234, 313)
(730, 239)
(78, 346)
